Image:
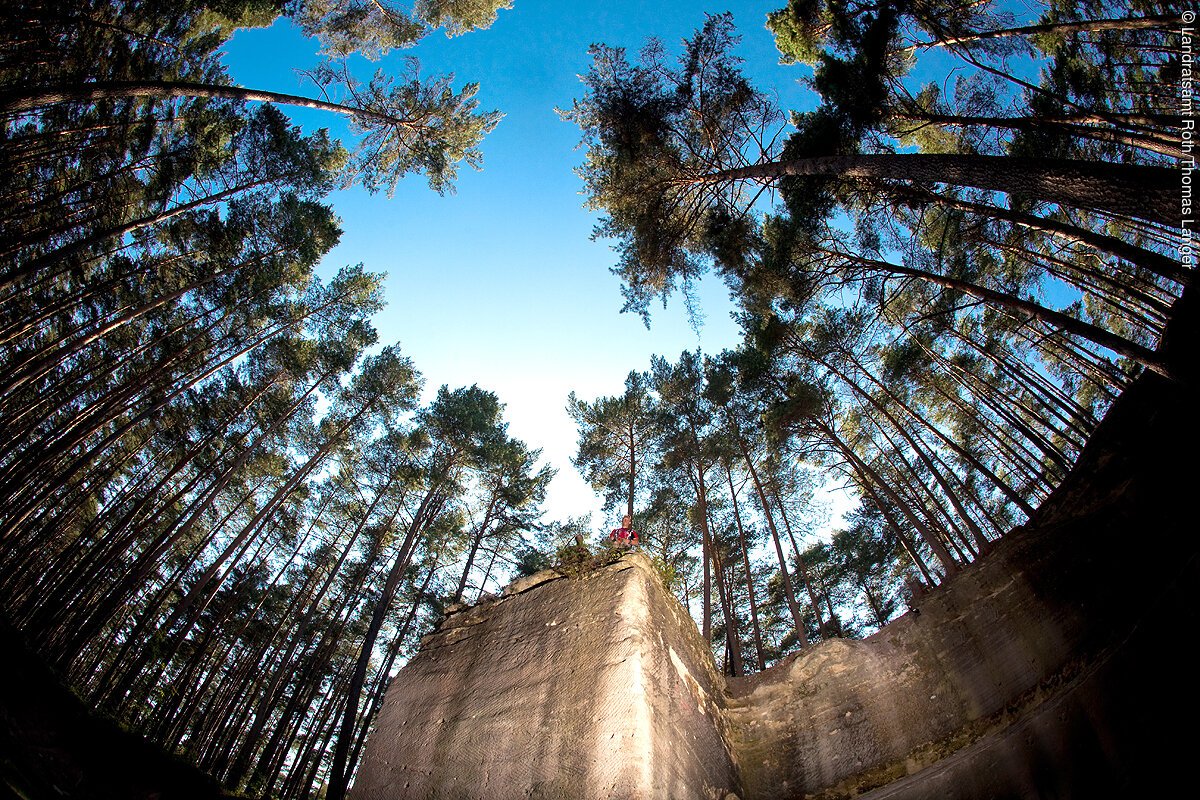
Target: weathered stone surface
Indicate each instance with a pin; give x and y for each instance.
(591, 686)
(1042, 670)
(1051, 667)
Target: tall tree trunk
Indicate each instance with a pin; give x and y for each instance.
(1157, 21)
(632, 469)
(801, 564)
(193, 603)
(1153, 141)
(917, 447)
(737, 516)
(381, 684)
(1130, 190)
(962, 452)
(784, 571)
(340, 771)
(1118, 344)
(905, 542)
(24, 100)
(480, 532)
(1155, 262)
(705, 549)
(733, 643)
(871, 477)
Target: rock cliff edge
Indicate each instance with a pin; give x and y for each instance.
(1051, 667)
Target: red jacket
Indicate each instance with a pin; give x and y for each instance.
(624, 536)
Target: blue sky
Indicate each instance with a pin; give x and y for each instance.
(499, 284)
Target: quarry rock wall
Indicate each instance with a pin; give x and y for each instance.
(1056, 665)
(986, 653)
(595, 685)
(1049, 667)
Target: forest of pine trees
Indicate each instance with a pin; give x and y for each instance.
(226, 515)
(942, 285)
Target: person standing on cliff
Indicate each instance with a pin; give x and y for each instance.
(625, 536)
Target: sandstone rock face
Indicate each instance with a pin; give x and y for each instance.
(847, 716)
(589, 686)
(1047, 668)
(1050, 667)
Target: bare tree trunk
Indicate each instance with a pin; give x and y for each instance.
(21, 101)
(1162, 21)
(737, 516)
(872, 478)
(1130, 190)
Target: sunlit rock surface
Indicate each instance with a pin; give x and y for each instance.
(1051, 667)
(591, 686)
(1058, 665)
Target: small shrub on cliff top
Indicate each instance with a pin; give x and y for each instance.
(577, 558)
(667, 572)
